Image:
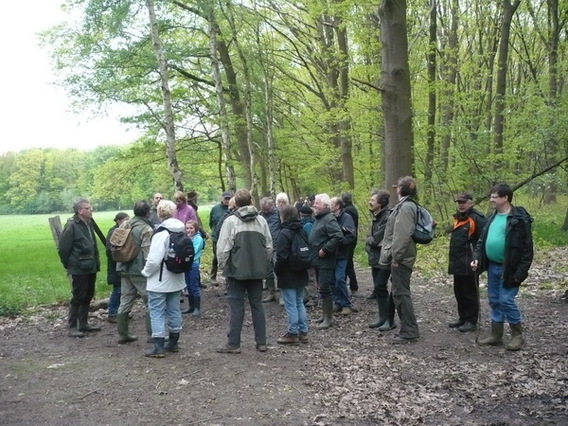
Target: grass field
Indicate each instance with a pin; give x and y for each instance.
(31, 273)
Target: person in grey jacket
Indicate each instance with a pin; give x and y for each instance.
(244, 251)
(80, 256)
(325, 237)
(398, 250)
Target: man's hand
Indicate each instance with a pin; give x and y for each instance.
(474, 264)
(321, 253)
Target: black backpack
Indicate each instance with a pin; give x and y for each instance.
(301, 252)
(179, 257)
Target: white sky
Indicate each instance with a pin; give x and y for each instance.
(35, 113)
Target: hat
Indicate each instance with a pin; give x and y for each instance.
(227, 194)
(192, 195)
(464, 197)
(120, 216)
(305, 209)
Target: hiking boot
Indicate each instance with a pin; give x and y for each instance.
(111, 319)
(73, 332)
(517, 340)
(496, 337)
(261, 348)
(456, 324)
(288, 339)
(467, 326)
(303, 337)
(158, 350)
(228, 349)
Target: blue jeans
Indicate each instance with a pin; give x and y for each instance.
(339, 290)
(501, 300)
(192, 281)
(295, 309)
(162, 305)
(114, 300)
(236, 290)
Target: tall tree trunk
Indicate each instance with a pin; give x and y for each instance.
(396, 96)
(501, 84)
(431, 132)
(168, 124)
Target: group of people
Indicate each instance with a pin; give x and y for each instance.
(253, 249)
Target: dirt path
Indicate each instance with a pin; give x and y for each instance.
(348, 375)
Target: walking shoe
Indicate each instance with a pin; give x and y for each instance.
(269, 298)
(88, 327)
(73, 332)
(261, 348)
(227, 349)
(398, 340)
(467, 326)
(456, 324)
(303, 337)
(111, 319)
(346, 311)
(288, 339)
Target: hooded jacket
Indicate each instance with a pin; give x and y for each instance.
(326, 234)
(288, 278)
(519, 250)
(244, 247)
(78, 247)
(397, 245)
(465, 233)
(158, 249)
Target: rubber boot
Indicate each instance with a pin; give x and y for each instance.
(271, 287)
(517, 340)
(197, 307)
(327, 313)
(390, 323)
(190, 305)
(122, 327)
(172, 345)
(496, 337)
(158, 350)
(82, 319)
(383, 304)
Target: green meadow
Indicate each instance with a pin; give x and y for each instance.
(31, 273)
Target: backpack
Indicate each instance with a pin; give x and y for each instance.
(425, 224)
(301, 252)
(179, 257)
(122, 246)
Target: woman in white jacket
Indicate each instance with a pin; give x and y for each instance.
(163, 294)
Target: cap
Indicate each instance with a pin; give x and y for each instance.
(305, 209)
(227, 194)
(464, 197)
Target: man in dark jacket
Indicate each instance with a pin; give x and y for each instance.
(468, 223)
(379, 207)
(217, 213)
(341, 296)
(350, 209)
(505, 251)
(80, 256)
(325, 237)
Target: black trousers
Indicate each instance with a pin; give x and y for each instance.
(466, 292)
(350, 271)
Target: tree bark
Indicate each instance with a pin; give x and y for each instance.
(431, 132)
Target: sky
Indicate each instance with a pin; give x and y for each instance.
(35, 113)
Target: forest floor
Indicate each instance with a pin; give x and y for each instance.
(347, 375)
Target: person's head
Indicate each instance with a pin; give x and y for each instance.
(282, 200)
(501, 196)
(305, 211)
(231, 204)
(166, 209)
(156, 198)
(310, 199)
(192, 197)
(225, 197)
(120, 218)
(321, 202)
(464, 202)
(406, 186)
(287, 213)
(347, 198)
(336, 205)
(191, 227)
(267, 205)
(141, 209)
(180, 198)
(82, 208)
(242, 198)
(379, 200)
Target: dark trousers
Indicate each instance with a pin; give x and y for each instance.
(83, 292)
(236, 294)
(381, 281)
(353, 285)
(403, 302)
(466, 292)
(326, 282)
(214, 263)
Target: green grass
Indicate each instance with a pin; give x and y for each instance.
(31, 273)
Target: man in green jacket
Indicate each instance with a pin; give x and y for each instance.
(398, 250)
(79, 254)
